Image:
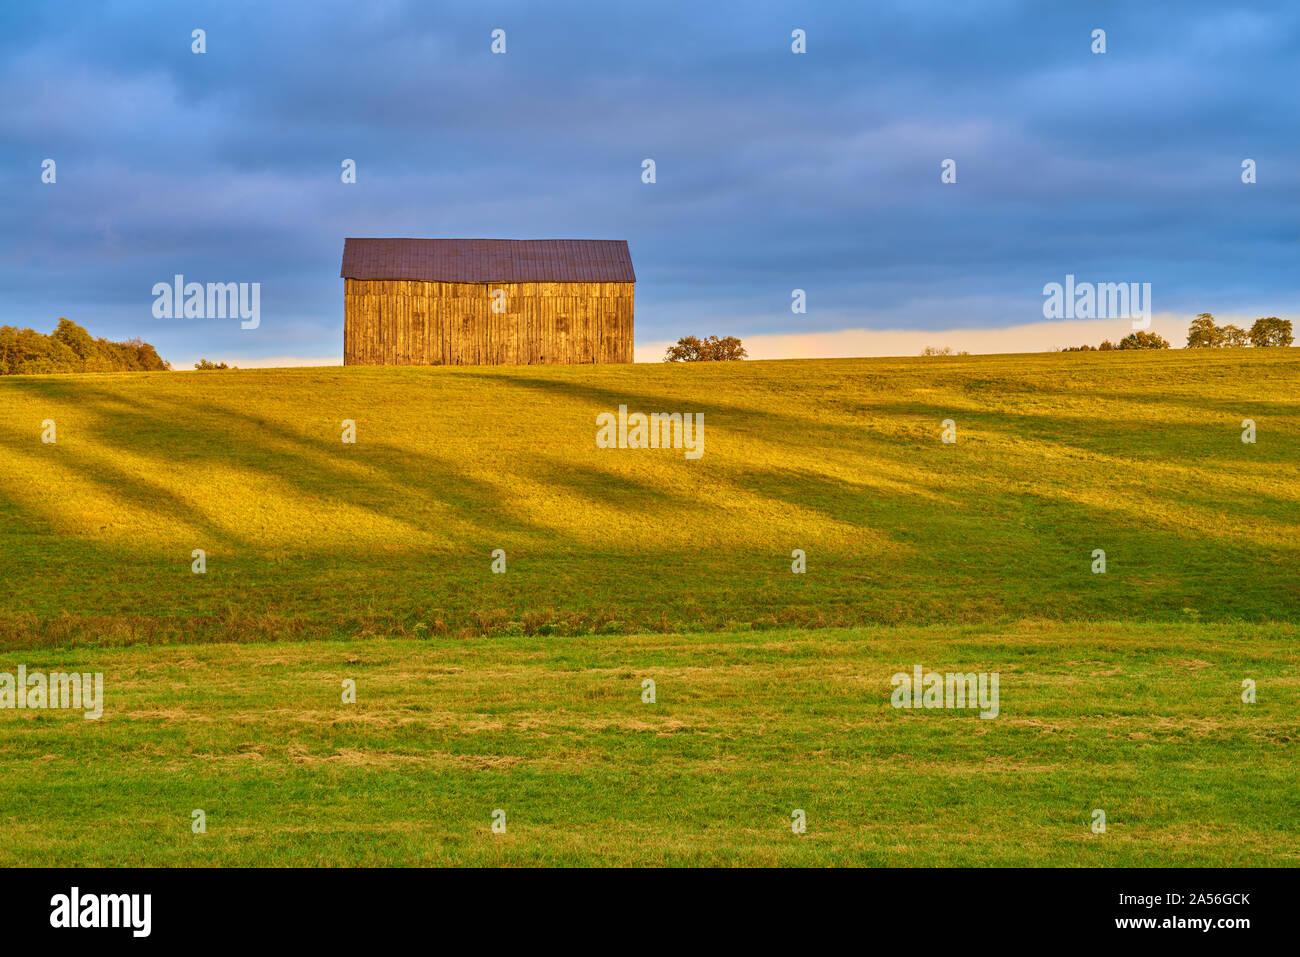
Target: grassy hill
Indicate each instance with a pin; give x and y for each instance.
(371, 562)
(1056, 455)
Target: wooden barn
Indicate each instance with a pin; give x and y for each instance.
(486, 301)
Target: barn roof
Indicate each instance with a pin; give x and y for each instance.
(489, 260)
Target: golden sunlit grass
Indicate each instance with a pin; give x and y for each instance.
(1140, 455)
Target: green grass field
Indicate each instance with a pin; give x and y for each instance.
(522, 691)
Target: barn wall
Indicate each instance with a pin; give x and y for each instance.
(447, 323)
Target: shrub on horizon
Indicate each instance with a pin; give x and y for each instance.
(1143, 340)
(712, 349)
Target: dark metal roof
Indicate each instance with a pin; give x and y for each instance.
(489, 260)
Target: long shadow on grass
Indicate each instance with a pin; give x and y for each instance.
(177, 433)
(743, 419)
(119, 483)
(309, 465)
(1018, 553)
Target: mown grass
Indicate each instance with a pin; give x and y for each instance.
(1057, 455)
(1143, 721)
(522, 691)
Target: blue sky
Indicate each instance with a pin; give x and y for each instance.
(775, 171)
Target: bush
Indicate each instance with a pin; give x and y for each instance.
(1143, 340)
(205, 364)
(1106, 346)
(712, 349)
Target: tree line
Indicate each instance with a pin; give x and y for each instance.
(1268, 332)
(1265, 333)
(70, 348)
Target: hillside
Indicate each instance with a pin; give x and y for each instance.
(1056, 455)
(524, 692)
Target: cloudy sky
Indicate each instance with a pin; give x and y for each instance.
(775, 171)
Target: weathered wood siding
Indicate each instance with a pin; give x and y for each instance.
(409, 322)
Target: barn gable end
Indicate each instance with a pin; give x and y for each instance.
(486, 301)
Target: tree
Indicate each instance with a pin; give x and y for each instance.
(1234, 337)
(75, 338)
(145, 355)
(1143, 340)
(206, 364)
(1271, 332)
(1203, 333)
(712, 349)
